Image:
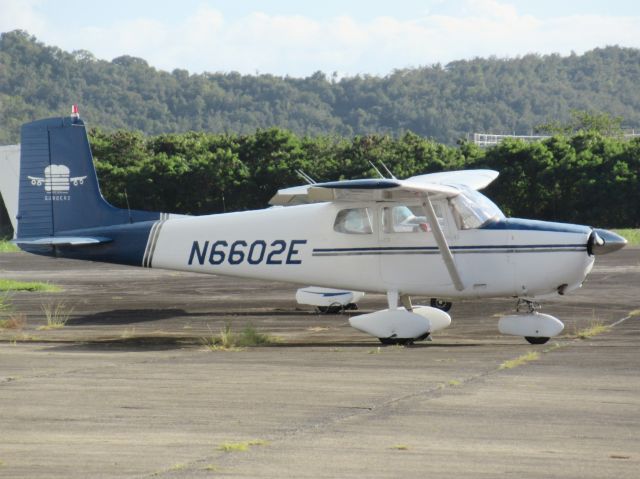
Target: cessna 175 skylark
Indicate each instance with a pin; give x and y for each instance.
(433, 235)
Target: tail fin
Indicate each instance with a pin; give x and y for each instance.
(59, 189)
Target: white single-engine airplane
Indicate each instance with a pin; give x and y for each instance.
(433, 235)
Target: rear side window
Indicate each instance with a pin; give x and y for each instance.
(354, 221)
(408, 219)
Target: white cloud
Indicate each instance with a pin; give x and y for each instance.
(298, 45)
(21, 14)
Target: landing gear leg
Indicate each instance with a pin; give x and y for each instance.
(405, 299)
(527, 305)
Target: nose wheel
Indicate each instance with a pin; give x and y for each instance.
(529, 308)
(535, 327)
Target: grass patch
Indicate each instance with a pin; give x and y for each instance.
(11, 285)
(128, 333)
(241, 446)
(16, 321)
(519, 361)
(317, 329)
(9, 319)
(632, 235)
(554, 346)
(8, 247)
(57, 314)
(228, 340)
(21, 338)
(452, 383)
(595, 328)
(6, 306)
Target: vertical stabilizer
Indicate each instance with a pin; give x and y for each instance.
(58, 184)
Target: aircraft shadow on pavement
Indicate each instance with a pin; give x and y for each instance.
(128, 316)
(131, 316)
(147, 343)
(369, 345)
(129, 345)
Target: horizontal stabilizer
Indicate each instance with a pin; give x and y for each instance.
(62, 241)
(296, 195)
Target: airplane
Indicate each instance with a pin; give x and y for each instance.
(432, 235)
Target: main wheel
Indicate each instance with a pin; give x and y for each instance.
(396, 341)
(536, 340)
(329, 309)
(440, 304)
(424, 337)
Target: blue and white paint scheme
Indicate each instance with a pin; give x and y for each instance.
(433, 235)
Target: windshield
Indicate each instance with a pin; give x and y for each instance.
(474, 210)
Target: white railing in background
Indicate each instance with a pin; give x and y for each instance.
(489, 139)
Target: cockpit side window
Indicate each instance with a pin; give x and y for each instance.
(354, 221)
(408, 219)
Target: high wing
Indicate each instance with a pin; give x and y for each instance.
(474, 179)
(435, 185)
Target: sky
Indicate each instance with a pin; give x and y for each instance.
(286, 37)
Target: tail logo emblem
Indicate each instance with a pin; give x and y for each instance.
(57, 182)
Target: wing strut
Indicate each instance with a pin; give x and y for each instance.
(442, 243)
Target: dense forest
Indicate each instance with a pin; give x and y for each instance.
(578, 175)
(584, 177)
(442, 102)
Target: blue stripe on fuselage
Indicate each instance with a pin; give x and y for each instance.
(399, 250)
(535, 225)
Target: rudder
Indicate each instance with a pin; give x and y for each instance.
(59, 188)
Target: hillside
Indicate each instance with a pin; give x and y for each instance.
(441, 102)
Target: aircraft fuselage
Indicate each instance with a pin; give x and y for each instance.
(299, 244)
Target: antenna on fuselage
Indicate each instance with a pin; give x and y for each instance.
(126, 197)
(306, 177)
(388, 170)
(377, 170)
